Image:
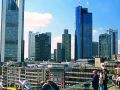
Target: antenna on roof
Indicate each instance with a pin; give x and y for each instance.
(78, 2)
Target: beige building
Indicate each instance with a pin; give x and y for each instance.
(33, 73)
(116, 57)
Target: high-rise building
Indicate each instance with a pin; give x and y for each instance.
(12, 26)
(31, 48)
(105, 46)
(43, 47)
(55, 54)
(83, 34)
(114, 41)
(66, 46)
(95, 49)
(59, 52)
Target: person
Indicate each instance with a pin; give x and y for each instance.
(101, 78)
(54, 85)
(46, 86)
(105, 81)
(95, 80)
(114, 78)
(118, 80)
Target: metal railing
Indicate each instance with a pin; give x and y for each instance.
(86, 86)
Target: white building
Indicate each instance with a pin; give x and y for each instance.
(31, 46)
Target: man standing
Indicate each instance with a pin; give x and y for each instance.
(105, 81)
(95, 80)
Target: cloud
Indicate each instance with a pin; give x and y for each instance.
(35, 19)
(87, 3)
(72, 47)
(54, 42)
(119, 46)
(96, 33)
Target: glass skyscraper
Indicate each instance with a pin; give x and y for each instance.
(59, 52)
(12, 26)
(114, 41)
(95, 49)
(105, 46)
(66, 46)
(43, 47)
(83, 34)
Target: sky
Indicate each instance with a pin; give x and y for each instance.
(56, 15)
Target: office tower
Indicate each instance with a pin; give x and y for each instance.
(12, 26)
(114, 41)
(31, 48)
(83, 34)
(55, 54)
(43, 47)
(95, 49)
(66, 46)
(59, 52)
(105, 46)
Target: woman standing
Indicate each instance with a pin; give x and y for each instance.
(101, 78)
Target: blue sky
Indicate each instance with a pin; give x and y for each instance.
(56, 15)
(105, 13)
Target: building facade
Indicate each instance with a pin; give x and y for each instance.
(105, 46)
(12, 26)
(55, 54)
(59, 52)
(31, 48)
(83, 34)
(66, 46)
(78, 75)
(43, 47)
(95, 49)
(114, 41)
(33, 73)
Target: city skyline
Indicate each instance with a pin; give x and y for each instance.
(49, 18)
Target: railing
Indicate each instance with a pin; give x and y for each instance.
(86, 86)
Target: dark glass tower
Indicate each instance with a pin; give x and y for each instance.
(105, 46)
(95, 49)
(43, 47)
(114, 41)
(59, 52)
(83, 34)
(66, 46)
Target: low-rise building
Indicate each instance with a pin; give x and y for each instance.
(116, 57)
(78, 74)
(33, 73)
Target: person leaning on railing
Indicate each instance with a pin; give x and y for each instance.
(118, 80)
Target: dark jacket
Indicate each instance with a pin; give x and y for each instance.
(46, 87)
(95, 80)
(54, 85)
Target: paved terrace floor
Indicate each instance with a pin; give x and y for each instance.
(114, 88)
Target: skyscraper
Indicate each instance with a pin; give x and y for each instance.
(43, 47)
(105, 46)
(31, 48)
(95, 49)
(66, 46)
(83, 34)
(12, 26)
(59, 52)
(55, 54)
(114, 41)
